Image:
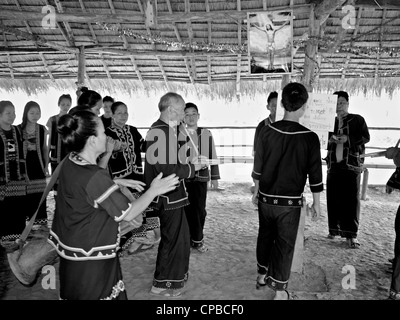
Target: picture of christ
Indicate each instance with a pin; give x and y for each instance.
(270, 41)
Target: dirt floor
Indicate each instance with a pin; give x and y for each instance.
(228, 270)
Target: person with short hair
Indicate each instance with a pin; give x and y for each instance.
(89, 208)
(106, 117)
(172, 265)
(345, 146)
(287, 152)
(198, 141)
(272, 101)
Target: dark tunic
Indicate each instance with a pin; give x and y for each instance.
(12, 184)
(85, 231)
(34, 155)
(57, 148)
(172, 264)
(343, 178)
(261, 125)
(286, 153)
(106, 121)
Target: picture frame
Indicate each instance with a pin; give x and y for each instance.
(270, 42)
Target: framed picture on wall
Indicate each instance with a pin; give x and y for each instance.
(270, 42)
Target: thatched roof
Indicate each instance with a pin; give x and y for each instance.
(196, 45)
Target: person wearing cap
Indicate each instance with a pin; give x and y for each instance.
(345, 145)
(287, 152)
(197, 141)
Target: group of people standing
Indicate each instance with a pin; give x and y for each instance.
(103, 184)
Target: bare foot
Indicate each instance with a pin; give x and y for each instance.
(281, 295)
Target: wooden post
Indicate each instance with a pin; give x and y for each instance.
(364, 184)
(81, 67)
(298, 255)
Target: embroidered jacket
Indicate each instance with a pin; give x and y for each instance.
(161, 147)
(355, 127)
(57, 148)
(287, 153)
(202, 142)
(128, 159)
(89, 207)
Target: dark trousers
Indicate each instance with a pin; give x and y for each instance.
(395, 285)
(196, 211)
(172, 265)
(275, 243)
(343, 202)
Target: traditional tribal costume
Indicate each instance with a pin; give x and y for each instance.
(12, 185)
(343, 178)
(57, 148)
(35, 165)
(197, 187)
(172, 264)
(126, 163)
(281, 185)
(85, 232)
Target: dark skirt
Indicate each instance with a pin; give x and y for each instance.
(12, 218)
(91, 280)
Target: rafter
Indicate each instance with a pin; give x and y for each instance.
(154, 48)
(83, 7)
(209, 31)
(162, 18)
(239, 56)
(41, 55)
(36, 39)
(139, 75)
(66, 23)
(356, 28)
(105, 66)
(178, 36)
(8, 56)
(380, 43)
(67, 36)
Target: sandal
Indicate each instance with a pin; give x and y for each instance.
(139, 247)
(166, 292)
(202, 249)
(288, 295)
(260, 282)
(353, 243)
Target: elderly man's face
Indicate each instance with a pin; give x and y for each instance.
(176, 111)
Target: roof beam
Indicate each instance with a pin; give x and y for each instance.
(46, 66)
(388, 4)
(139, 75)
(380, 43)
(83, 7)
(178, 36)
(133, 17)
(209, 30)
(36, 39)
(105, 66)
(239, 56)
(191, 65)
(8, 56)
(154, 48)
(346, 64)
(68, 28)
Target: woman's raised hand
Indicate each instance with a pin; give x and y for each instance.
(161, 185)
(134, 184)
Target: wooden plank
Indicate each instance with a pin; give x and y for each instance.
(46, 66)
(134, 17)
(105, 66)
(239, 56)
(8, 56)
(36, 39)
(81, 67)
(380, 44)
(356, 28)
(164, 75)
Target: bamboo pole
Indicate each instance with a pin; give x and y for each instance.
(81, 67)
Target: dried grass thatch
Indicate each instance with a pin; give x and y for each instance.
(35, 59)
